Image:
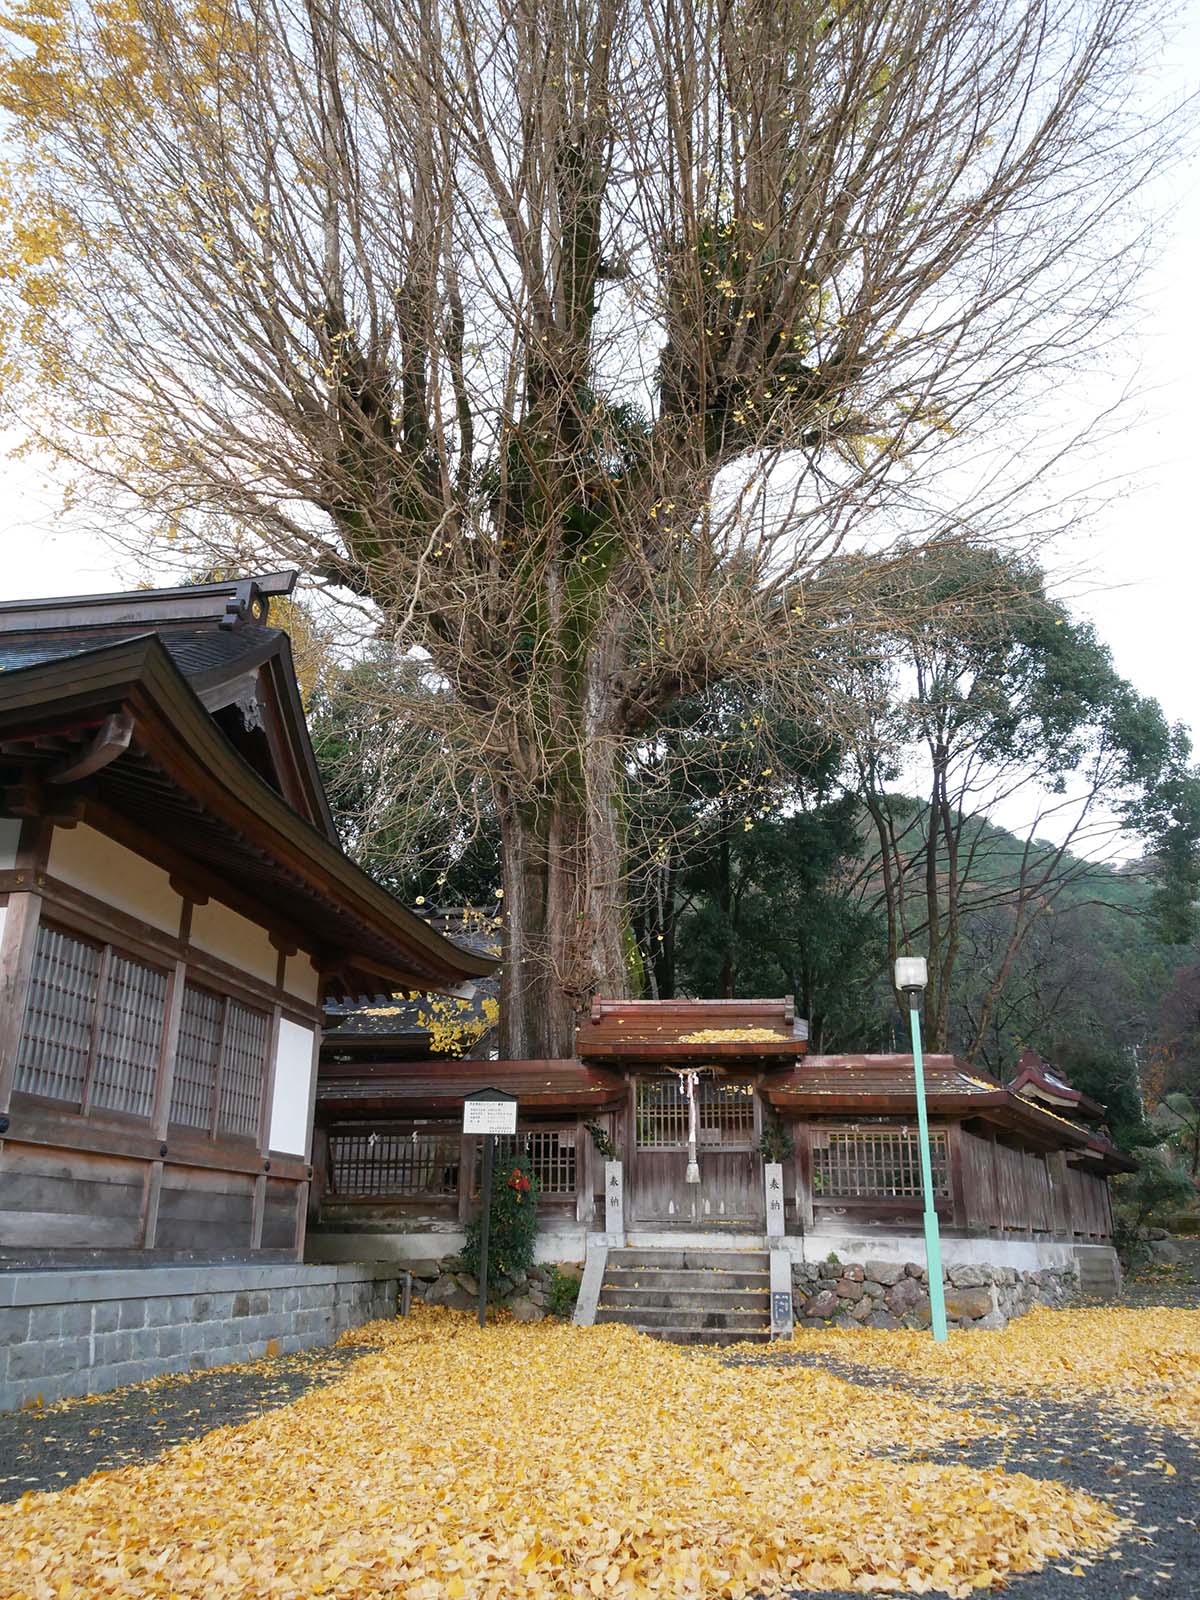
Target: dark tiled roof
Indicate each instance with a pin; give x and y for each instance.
(884, 1084)
(182, 779)
(884, 1074)
(390, 1017)
(197, 652)
(384, 1016)
(34, 649)
(1036, 1079)
(680, 1031)
(423, 1087)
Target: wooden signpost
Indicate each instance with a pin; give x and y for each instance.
(488, 1113)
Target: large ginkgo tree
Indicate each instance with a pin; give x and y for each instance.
(569, 344)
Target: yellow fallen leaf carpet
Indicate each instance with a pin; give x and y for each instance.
(455, 1464)
(1146, 1361)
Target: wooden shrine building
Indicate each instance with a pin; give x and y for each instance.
(175, 908)
(715, 1087)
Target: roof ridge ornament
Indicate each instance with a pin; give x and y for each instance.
(247, 603)
(226, 602)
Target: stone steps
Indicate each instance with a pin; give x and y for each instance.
(691, 1260)
(689, 1295)
(708, 1336)
(666, 1278)
(693, 1298)
(682, 1316)
(1098, 1274)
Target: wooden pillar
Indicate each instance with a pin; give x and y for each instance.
(466, 1173)
(626, 1143)
(18, 945)
(998, 1227)
(961, 1214)
(804, 1187)
(319, 1184)
(17, 948)
(259, 1206)
(586, 1155)
(160, 1116)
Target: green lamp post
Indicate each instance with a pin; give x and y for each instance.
(911, 977)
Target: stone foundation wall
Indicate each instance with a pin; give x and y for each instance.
(445, 1283)
(892, 1294)
(65, 1333)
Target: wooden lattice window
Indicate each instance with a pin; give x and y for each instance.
(92, 1033)
(242, 1069)
(220, 1062)
(394, 1162)
(550, 1154)
(196, 1057)
(129, 1037)
(877, 1163)
(724, 1113)
(56, 1038)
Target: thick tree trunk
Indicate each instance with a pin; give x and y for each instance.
(725, 902)
(565, 916)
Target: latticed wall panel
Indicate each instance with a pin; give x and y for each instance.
(92, 1036)
(196, 1058)
(129, 1038)
(242, 1070)
(724, 1113)
(393, 1162)
(56, 1038)
(550, 1154)
(876, 1163)
(93, 1026)
(221, 1053)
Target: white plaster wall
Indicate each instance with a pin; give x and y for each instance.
(293, 1081)
(91, 861)
(3, 915)
(235, 939)
(10, 834)
(1026, 1255)
(300, 979)
(566, 1244)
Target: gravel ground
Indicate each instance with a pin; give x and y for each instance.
(51, 1448)
(1161, 1292)
(1093, 1448)
(1096, 1449)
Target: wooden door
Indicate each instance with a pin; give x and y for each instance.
(730, 1191)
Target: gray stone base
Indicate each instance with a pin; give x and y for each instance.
(893, 1294)
(65, 1333)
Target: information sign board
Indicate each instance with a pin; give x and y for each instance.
(489, 1116)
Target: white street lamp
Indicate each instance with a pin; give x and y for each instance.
(912, 975)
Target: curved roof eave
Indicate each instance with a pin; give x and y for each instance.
(193, 751)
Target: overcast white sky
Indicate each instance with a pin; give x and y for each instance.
(1140, 558)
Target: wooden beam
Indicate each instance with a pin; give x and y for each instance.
(112, 739)
(95, 919)
(148, 1216)
(36, 1122)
